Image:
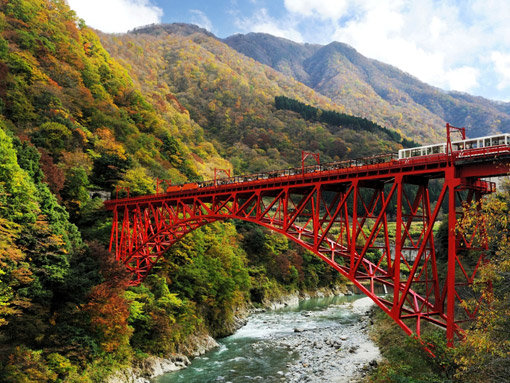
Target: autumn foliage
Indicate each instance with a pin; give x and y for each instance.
(78, 121)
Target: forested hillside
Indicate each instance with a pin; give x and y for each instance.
(377, 91)
(232, 98)
(74, 124)
(337, 119)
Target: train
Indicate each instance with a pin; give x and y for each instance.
(457, 146)
(467, 147)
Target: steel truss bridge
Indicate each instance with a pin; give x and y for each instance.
(372, 220)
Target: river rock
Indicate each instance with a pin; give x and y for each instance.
(362, 307)
(283, 301)
(200, 344)
(331, 354)
(127, 375)
(154, 366)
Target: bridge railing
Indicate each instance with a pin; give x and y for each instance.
(476, 152)
(338, 165)
(373, 160)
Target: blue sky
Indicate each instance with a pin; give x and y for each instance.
(459, 45)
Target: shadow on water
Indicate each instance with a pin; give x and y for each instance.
(249, 356)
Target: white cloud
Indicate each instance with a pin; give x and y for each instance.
(324, 9)
(116, 15)
(501, 63)
(199, 18)
(425, 38)
(445, 43)
(262, 22)
(462, 79)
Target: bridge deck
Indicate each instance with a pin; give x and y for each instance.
(469, 164)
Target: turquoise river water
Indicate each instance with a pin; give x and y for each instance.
(272, 345)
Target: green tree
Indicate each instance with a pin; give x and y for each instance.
(484, 354)
(138, 182)
(52, 136)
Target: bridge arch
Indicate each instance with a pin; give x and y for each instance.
(146, 255)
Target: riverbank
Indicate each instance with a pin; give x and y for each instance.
(151, 367)
(320, 340)
(144, 370)
(405, 359)
(293, 299)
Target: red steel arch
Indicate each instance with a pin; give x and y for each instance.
(373, 221)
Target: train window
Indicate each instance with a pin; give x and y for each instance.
(487, 142)
(416, 152)
(458, 146)
(436, 149)
(498, 140)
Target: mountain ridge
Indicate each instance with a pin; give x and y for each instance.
(384, 79)
(362, 86)
(232, 97)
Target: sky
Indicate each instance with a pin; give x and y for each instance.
(461, 45)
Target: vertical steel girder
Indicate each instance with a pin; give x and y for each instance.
(376, 231)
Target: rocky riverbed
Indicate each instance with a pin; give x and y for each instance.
(330, 354)
(321, 340)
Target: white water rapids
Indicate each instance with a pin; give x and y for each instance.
(321, 340)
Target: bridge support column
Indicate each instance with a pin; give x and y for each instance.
(398, 248)
(452, 183)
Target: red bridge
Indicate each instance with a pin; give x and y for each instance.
(372, 220)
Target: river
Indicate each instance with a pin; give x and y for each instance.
(321, 340)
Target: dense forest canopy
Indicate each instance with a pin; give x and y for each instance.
(338, 119)
(232, 98)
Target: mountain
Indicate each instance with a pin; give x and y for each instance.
(181, 29)
(232, 97)
(375, 90)
(284, 55)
